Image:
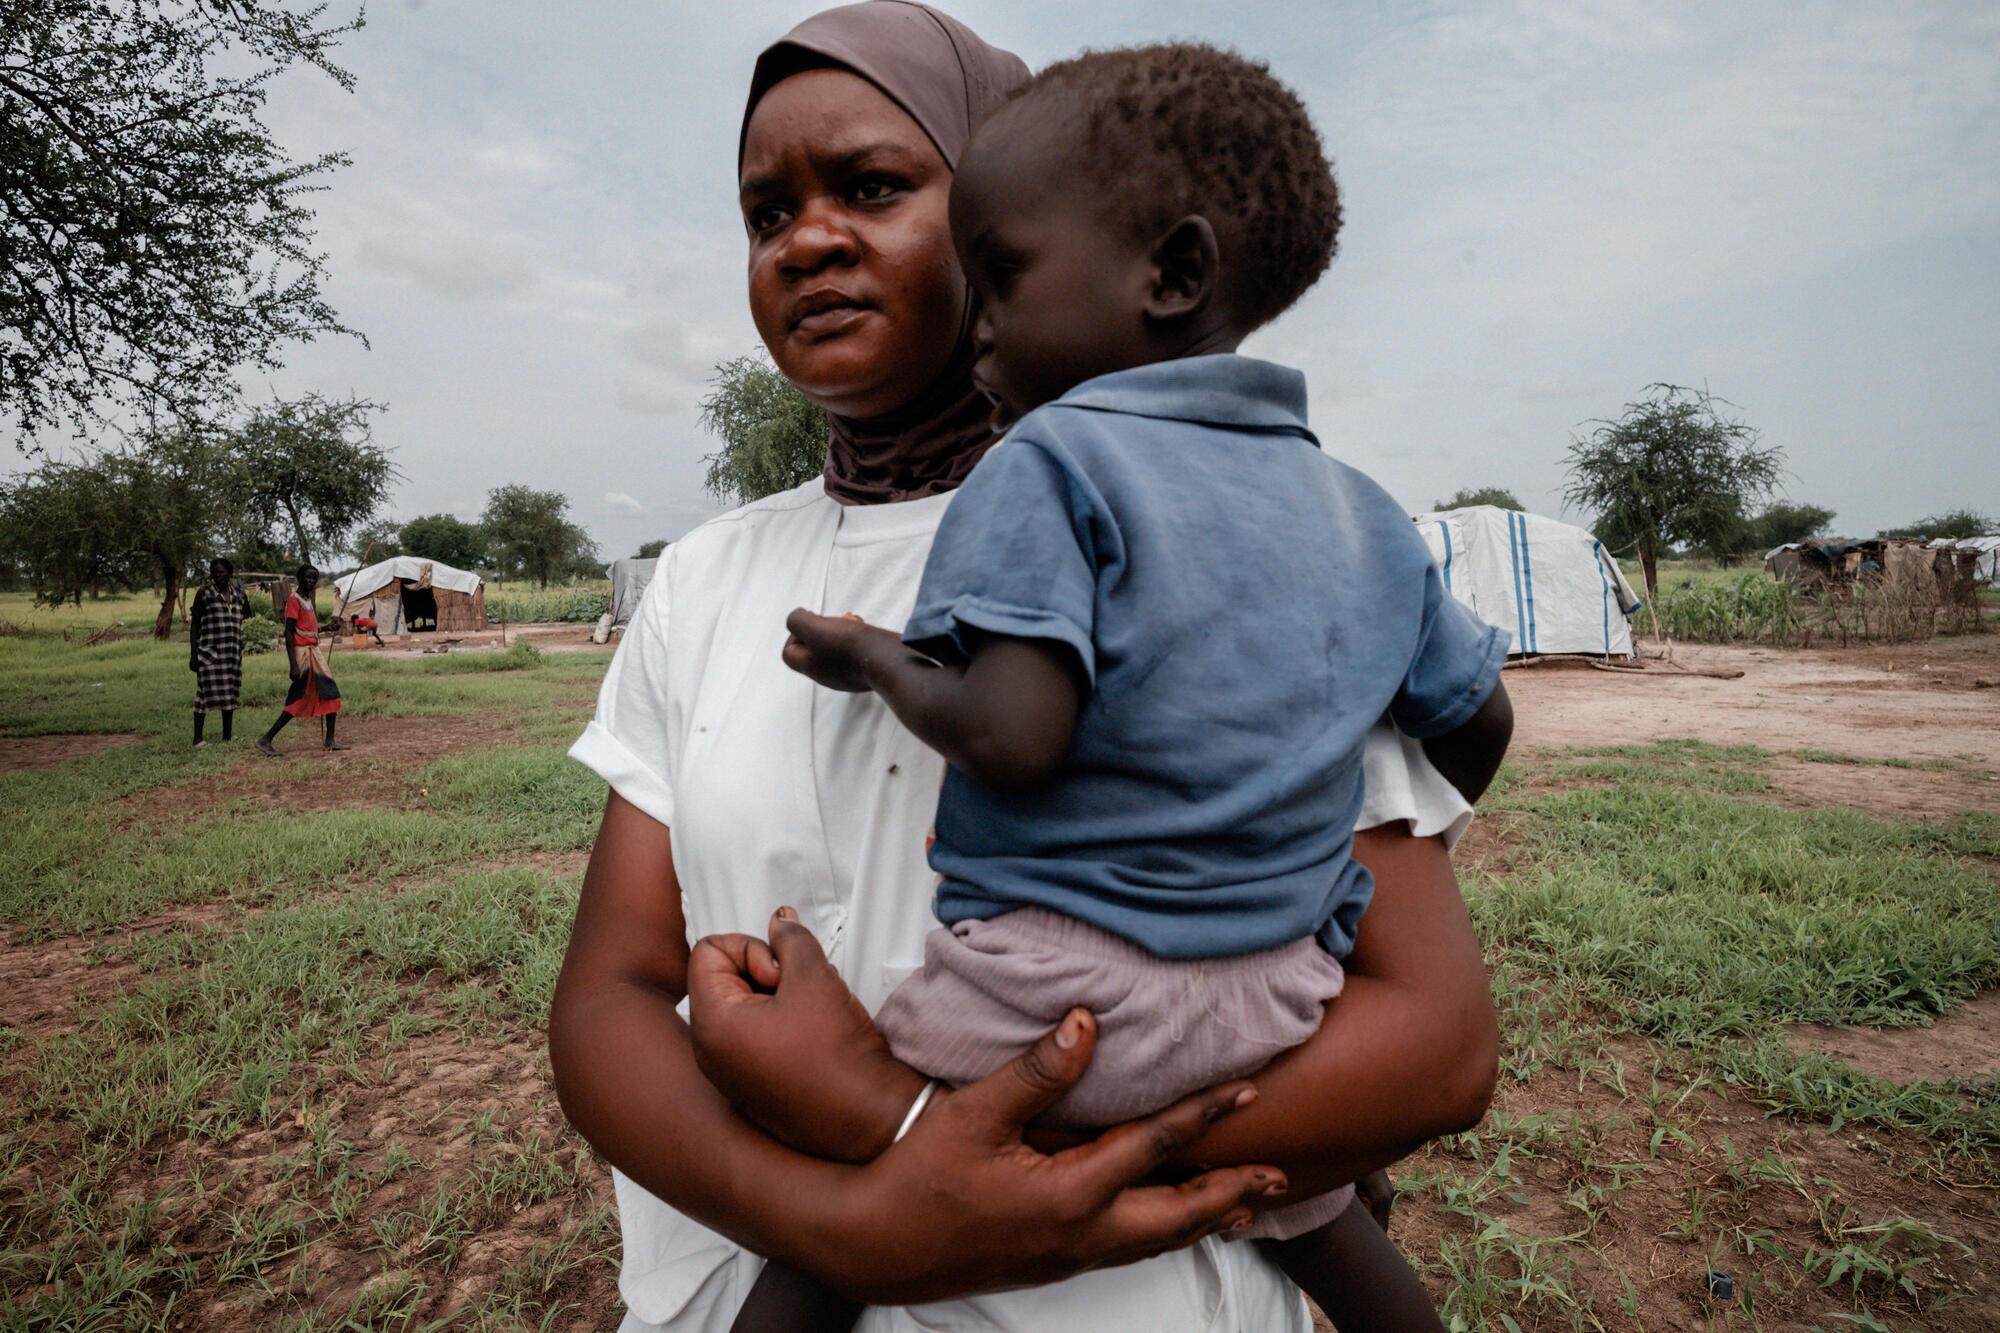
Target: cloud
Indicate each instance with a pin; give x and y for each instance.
(620, 501)
(1548, 206)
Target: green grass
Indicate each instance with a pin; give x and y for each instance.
(1654, 893)
(198, 1131)
(236, 1023)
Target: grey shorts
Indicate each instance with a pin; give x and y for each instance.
(989, 990)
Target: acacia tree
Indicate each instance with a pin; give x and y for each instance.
(1673, 470)
(153, 237)
(178, 499)
(1498, 496)
(773, 437)
(314, 473)
(54, 533)
(530, 533)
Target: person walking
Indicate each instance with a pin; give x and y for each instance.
(313, 692)
(215, 647)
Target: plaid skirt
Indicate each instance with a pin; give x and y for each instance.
(313, 692)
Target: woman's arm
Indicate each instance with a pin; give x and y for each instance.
(958, 1206)
(1409, 1051)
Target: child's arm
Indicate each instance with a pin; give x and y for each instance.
(1469, 756)
(1004, 719)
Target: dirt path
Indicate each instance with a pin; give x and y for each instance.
(1921, 704)
(24, 752)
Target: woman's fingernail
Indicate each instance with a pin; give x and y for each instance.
(1245, 1097)
(787, 914)
(1240, 1224)
(1276, 1187)
(1069, 1032)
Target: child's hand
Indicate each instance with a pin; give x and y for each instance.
(834, 650)
(762, 1013)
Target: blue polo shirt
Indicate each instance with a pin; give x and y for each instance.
(1244, 609)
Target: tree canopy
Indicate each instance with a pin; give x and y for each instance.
(773, 437)
(447, 538)
(1953, 523)
(651, 550)
(154, 239)
(1672, 470)
(312, 472)
(530, 535)
(1498, 496)
(161, 506)
(1783, 522)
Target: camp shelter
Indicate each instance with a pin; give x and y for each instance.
(1986, 551)
(408, 594)
(629, 577)
(1551, 585)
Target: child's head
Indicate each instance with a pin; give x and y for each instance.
(1134, 206)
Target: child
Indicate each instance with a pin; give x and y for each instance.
(1155, 627)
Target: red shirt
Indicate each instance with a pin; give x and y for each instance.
(305, 627)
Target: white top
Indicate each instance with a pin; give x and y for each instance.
(779, 792)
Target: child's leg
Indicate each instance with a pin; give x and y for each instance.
(784, 1300)
(1353, 1273)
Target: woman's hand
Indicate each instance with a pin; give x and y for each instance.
(760, 1013)
(962, 1205)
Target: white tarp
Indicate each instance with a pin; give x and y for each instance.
(1988, 568)
(410, 569)
(629, 577)
(1551, 585)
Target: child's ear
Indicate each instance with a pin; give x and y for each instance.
(1187, 267)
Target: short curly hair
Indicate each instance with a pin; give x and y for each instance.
(1215, 133)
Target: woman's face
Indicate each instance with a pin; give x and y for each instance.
(853, 283)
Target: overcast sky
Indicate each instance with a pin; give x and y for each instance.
(1548, 207)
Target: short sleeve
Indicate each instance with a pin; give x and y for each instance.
(1454, 668)
(1401, 786)
(1015, 555)
(293, 607)
(629, 742)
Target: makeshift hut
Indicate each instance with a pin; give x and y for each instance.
(408, 594)
(1985, 553)
(1553, 586)
(629, 577)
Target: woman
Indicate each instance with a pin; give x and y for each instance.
(313, 692)
(738, 789)
(215, 647)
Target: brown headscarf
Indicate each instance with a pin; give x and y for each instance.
(947, 79)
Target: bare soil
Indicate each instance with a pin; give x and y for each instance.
(1917, 703)
(18, 753)
(553, 637)
(1964, 1044)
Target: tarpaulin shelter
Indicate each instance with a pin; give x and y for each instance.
(629, 577)
(1552, 585)
(408, 594)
